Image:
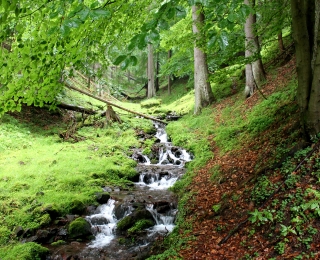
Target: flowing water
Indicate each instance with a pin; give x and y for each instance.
(151, 192)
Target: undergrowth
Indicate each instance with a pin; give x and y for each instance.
(41, 171)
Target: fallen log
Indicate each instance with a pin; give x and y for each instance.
(77, 108)
(113, 104)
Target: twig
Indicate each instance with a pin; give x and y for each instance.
(59, 151)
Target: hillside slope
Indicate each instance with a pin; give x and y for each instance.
(258, 196)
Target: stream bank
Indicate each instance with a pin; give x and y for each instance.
(128, 222)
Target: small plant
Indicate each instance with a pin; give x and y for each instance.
(216, 207)
(285, 230)
(260, 216)
(263, 189)
(280, 247)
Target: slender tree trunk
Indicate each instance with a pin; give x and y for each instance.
(157, 85)
(306, 35)
(151, 87)
(202, 88)
(280, 42)
(255, 74)
(169, 77)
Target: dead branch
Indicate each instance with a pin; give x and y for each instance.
(113, 104)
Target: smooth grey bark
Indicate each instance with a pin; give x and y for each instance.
(202, 88)
(255, 74)
(151, 87)
(306, 35)
(157, 83)
(169, 77)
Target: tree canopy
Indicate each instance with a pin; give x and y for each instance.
(44, 42)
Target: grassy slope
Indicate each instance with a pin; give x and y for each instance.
(38, 170)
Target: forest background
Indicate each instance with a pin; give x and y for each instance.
(217, 50)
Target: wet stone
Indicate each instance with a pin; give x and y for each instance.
(102, 197)
(19, 231)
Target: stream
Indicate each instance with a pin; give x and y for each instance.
(149, 198)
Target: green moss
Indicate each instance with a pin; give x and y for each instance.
(78, 228)
(27, 251)
(45, 220)
(58, 243)
(150, 103)
(77, 207)
(125, 223)
(140, 225)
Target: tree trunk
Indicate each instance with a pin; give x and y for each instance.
(151, 88)
(202, 88)
(157, 85)
(255, 74)
(280, 42)
(306, 35)
(169, 77)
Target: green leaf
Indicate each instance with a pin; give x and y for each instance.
(181, 12)
(171, 12)
(163, 25)
(125, 64)
(153, 36)
(84, 13)
(133, 42)
(64, 30)
(163, 8)
(74, 23)
(133, 60)
(100, 13)
(232, 17)
(94, 5)
(119, 59)
(53, 15)
(314, 205)
(149, 25)
(212, 42)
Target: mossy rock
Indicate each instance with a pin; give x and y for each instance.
(53, 210)
(59, 243)
(77, 207)
(44, 220)
(140, 225)
(79, 228)
(130, 220)
(102, 197)
(125, 223)
(26, 251)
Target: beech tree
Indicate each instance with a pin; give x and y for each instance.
(306, 34)
(255, 74)
(202, 88)
(151, 86)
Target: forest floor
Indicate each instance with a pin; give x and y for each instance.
(251, 179)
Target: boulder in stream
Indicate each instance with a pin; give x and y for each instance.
(130, 220)
(79, 228)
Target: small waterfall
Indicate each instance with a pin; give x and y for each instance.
(161, 133)
(164, 222)
(103, 224)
